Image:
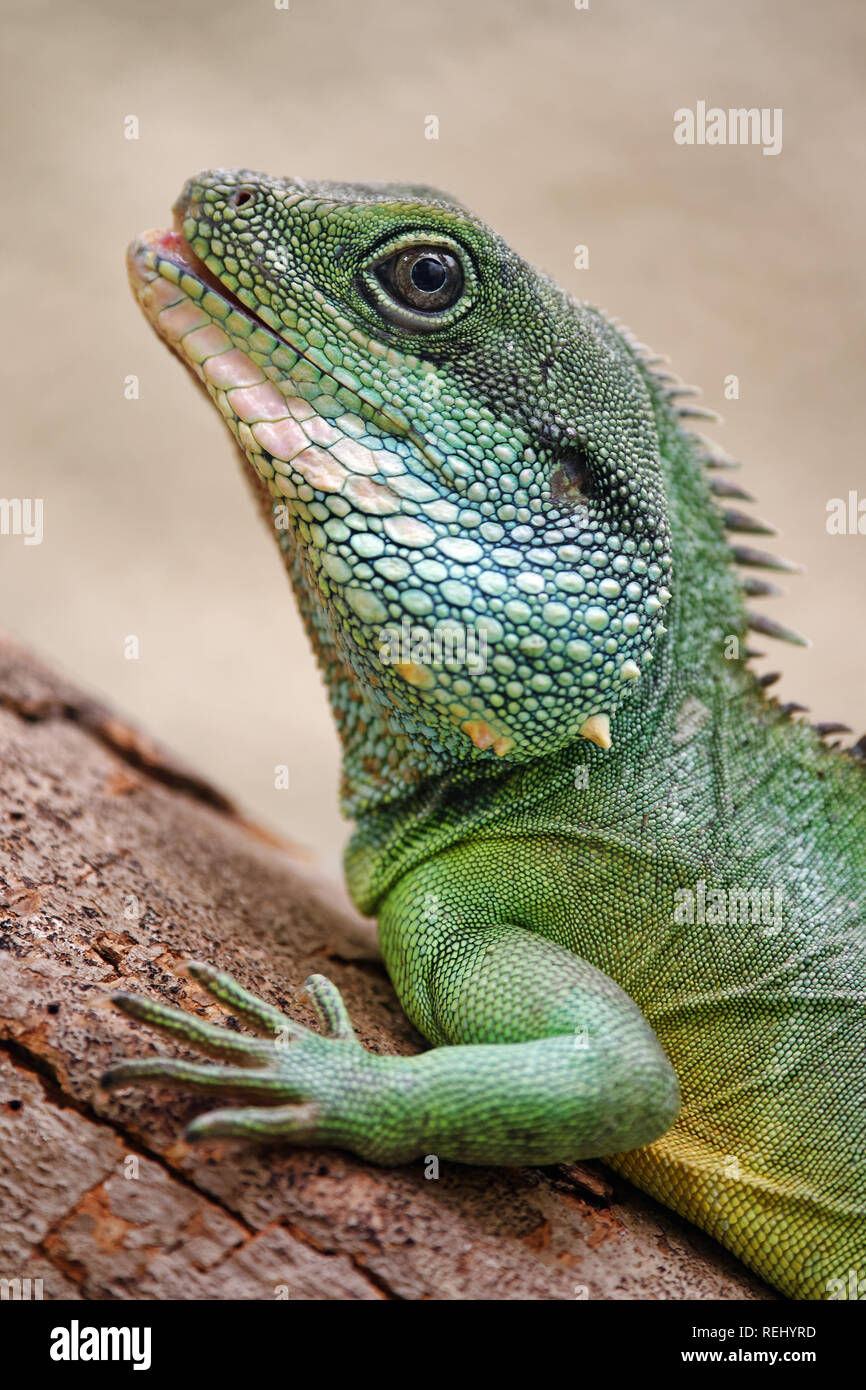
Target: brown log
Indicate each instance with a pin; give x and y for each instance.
(116, 865)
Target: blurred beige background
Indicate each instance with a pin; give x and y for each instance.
(556, 126)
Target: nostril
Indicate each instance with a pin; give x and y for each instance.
(242, 196)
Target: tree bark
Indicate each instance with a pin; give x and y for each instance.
(116, 865)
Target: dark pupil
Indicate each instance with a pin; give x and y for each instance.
(428, 274)
(423, 278)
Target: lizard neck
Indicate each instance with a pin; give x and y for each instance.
(700, 758)
(688, 685)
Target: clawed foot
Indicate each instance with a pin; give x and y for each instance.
(303, 1081)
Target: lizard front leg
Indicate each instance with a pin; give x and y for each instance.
(541, 1058)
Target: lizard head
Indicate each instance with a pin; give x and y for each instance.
(459, 460)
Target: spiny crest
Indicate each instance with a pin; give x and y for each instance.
(716, 460)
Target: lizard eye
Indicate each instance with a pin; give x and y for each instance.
(427, 279)
(420, 283)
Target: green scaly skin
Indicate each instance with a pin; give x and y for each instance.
(502, 458)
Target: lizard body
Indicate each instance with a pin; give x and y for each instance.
(617, 886)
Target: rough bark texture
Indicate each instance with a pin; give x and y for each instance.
(116, 864)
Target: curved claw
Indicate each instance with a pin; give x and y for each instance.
(285, 1122)
(255, 1011)
(328, 1003)
(174, 1071)
(206, 1037)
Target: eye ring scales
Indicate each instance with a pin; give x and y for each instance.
(420, 282)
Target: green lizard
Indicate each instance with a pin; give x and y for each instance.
(617, 886)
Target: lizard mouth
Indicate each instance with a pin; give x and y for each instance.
(162, 248)
(163, 269)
